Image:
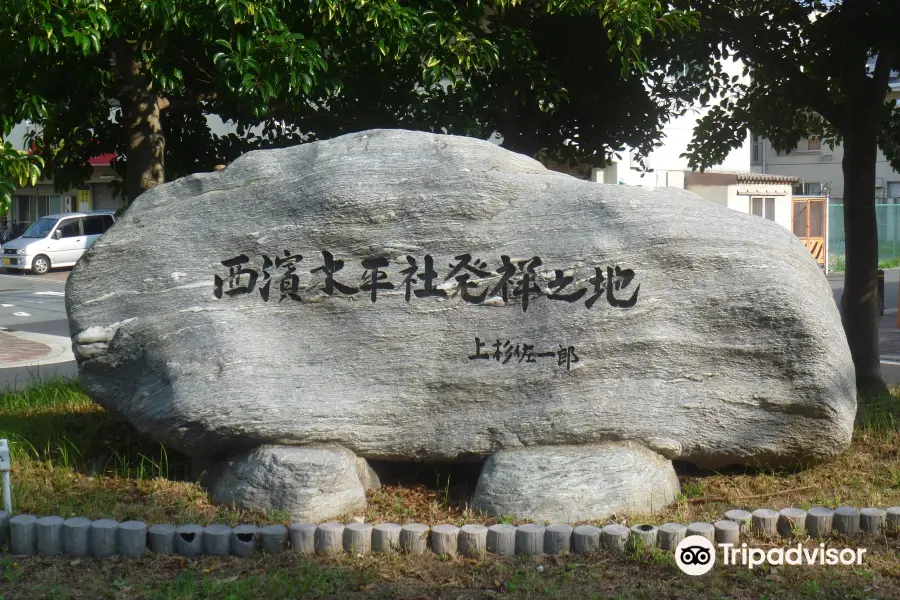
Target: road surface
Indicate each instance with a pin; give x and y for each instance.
(35, 304)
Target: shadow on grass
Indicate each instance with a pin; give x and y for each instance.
(879, 415)
(54, 421)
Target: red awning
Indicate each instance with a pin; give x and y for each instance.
(102, 160)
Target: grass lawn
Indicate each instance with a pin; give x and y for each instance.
(72, 458)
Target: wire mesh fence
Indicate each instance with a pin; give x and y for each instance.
(888, 217)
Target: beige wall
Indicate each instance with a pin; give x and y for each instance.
(717, 194)
(737, 197)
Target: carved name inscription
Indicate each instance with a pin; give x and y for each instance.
(517, 279)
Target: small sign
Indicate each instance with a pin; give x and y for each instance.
(84, 200)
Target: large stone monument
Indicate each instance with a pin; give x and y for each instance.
(408, 296)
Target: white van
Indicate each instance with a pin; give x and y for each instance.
(55, 241)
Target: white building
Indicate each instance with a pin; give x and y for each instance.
(665, 167)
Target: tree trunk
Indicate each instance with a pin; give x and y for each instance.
(145, 142)
(860, 300)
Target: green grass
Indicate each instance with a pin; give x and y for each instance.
(70, 457)
(837, 263)
(56, 422)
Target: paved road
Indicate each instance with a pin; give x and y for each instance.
(891, 283)
(34, 304)
(889, 333)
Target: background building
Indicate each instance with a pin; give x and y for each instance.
(98, 192)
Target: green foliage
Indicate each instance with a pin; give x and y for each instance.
(17, 169)
(567, 80)
(811, 68)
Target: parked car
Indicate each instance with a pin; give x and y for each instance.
(55, 241)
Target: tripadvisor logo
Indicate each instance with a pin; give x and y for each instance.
(696, 555)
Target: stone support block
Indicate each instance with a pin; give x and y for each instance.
(846, 520)
(558, 538)
(414, 538)
(819, 521)
(189, 540)
(161, 538)
(706, 530)
(358, 538)
(49, 533)
(585, 539)
(445, 540)
(76, 534)
(244, 540)
(217, 540)
(791, 522)
(764, 522)
(386, 538)
(473, 540)
(614, 537)
(273, 538)
(303, 537)
(103, 538)
(132, 539)
(872, 520)
(530, 539)
(23, 535)
(670, 535)
(501, 540)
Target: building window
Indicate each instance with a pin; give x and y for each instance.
(812, 145)
(24, 212)
(809, 188)
(763, 207)
(756, 149)
(893, 189)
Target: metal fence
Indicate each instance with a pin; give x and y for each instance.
(10, 231)
(888, 216)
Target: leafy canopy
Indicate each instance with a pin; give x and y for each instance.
(567, 78)
(812, 65)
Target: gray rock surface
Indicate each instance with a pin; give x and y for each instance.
(309, 484)
(575, 483)
(367, 475)
(733, 351)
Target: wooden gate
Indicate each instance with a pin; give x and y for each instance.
(809, 225)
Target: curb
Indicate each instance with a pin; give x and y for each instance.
(80, 537)
(59, 349)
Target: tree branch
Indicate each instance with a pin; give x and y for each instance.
(179, 103)
(812, 92)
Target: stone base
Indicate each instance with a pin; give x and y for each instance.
(307, 483)
(575, 483)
